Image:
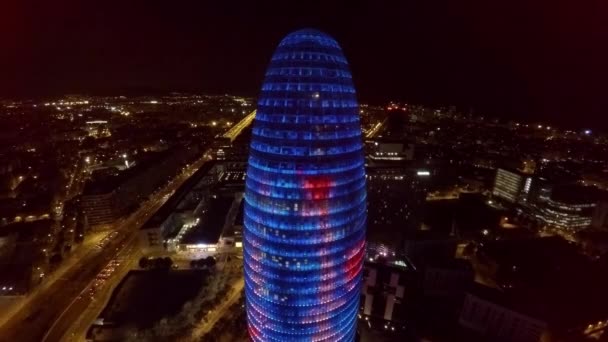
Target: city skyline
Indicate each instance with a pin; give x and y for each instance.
(317, 171)
(513, 61)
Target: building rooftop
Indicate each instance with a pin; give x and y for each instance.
(451, 263)
(28, 231)
(232, 177)
(552, 280)
(427, 235)
(533, 256)
(169, 207)
(208, 231)
(39, 205)
(560, 307)
(109, 183)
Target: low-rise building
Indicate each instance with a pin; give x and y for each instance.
(25, 250)
(447, 277)
(569, 207)
(533, 316)
(485, 313)
(110, 197)
(384, 291)
(202, 217)
(183, 207)
(545, 286)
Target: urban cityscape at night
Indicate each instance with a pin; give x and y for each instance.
(323, 171)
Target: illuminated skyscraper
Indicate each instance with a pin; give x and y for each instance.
(511, 186)
(305, 197)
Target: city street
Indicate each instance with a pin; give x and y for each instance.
(57, 304)
(8, 309)
(34, 319)
(75, 320)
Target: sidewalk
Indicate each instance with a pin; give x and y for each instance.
(217, 313)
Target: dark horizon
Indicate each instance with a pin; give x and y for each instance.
(526, 60)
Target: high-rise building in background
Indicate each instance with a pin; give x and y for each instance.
(569, 207)
(512, 186)
(305, 197)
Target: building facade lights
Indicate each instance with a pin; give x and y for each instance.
(304, 235)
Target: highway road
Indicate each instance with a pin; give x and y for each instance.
(17, 304)
(372, 132)
(57, 304)
(32, 322)
(80, 313)
(238, 128)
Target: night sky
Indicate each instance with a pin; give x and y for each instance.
(534, 59)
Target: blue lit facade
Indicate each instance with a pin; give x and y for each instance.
(305, 197)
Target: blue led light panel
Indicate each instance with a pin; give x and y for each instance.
(305, 197)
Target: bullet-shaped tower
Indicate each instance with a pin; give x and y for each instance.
(305, 197)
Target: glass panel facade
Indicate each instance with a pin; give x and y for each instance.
(305, 197)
